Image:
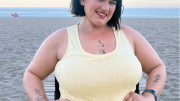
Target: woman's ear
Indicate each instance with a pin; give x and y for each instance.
(82, 2)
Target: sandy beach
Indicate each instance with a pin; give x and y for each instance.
(21, 37)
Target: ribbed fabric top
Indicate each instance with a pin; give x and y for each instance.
(97, 77)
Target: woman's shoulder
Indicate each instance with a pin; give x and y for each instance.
(60, 32)
(63, 33)
(128, 29)
(130, 32)
(58, 36)
(132, 35)
(56, 39)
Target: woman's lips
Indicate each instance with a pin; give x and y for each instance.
(101, 14)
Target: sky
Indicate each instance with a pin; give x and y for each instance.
(66, 3)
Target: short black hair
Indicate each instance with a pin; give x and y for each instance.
(77, 9)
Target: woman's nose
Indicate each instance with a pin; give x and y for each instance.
(105, 6)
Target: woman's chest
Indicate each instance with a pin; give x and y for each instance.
(81, 72)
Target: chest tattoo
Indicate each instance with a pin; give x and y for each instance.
(100, 47)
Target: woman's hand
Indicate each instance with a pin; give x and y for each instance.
(62, 99)
(136, 97)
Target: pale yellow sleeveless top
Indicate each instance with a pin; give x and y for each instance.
(97, 77)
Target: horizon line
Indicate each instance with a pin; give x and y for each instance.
(69, 7)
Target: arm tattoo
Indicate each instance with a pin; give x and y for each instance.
(100, 46)
(157, 77)
(39, 96)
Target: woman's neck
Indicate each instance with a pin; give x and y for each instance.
(88, 26)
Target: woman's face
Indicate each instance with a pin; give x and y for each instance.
(99, 12)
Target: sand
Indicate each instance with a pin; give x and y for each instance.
(21, 37)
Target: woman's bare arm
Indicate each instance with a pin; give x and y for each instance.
(152, 65)
(41, 66)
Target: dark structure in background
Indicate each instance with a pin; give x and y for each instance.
(57, 92)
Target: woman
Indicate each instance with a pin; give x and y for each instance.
(96, 59)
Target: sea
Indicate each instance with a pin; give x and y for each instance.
(65, 12)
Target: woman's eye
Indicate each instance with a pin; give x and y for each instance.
(113, 3)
